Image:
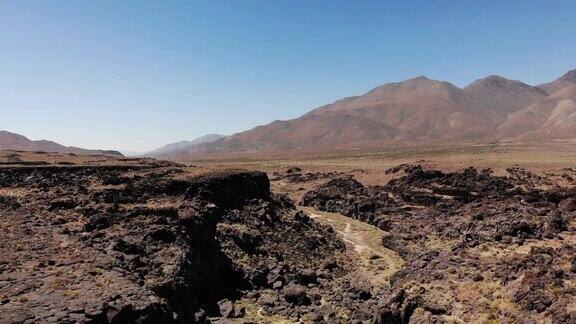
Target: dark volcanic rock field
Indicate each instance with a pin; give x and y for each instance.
(477, 247)
(149, 243)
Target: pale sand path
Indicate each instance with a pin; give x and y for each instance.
(375, 262)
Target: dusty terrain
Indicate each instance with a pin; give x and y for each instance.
(419, 235)
(369, 167)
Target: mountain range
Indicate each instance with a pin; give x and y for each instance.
(13, 141)
(419, 111)
(411, 112)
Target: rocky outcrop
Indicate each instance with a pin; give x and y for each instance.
(295, 175)
(148, 243)
(463, 230)
(473, 200)
(145, 242)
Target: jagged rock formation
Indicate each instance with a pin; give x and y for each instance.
(459, 233)
(147, 243)
(141, 263)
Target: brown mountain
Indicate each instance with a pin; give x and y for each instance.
(12, 141)
(569, 78)
(503, 95)
(331, 130)
(421, 109)
(551, 118)
(418, 111)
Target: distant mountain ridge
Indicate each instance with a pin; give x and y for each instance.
(182, 146)
(13, 141)
(416, 111)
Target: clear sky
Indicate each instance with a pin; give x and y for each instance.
(139, 74)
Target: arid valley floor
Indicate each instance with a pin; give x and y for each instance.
(479, 234)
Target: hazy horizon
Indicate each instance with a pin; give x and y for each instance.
(138, 75)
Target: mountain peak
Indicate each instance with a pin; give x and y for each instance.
(569, 76)
(420, 81)
(499, 83)
(496, 81)
(503, 95)
(10, 134)
(497, 78)
(494, 77)
(420, 78)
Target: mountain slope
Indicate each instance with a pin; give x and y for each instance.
(550, 118)
(569, 78)
(183, 146)
(503, 95)
(13, 141)
(418, 109)
(421, 108)
(332, 130)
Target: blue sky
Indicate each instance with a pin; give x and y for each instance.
(139, 74)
